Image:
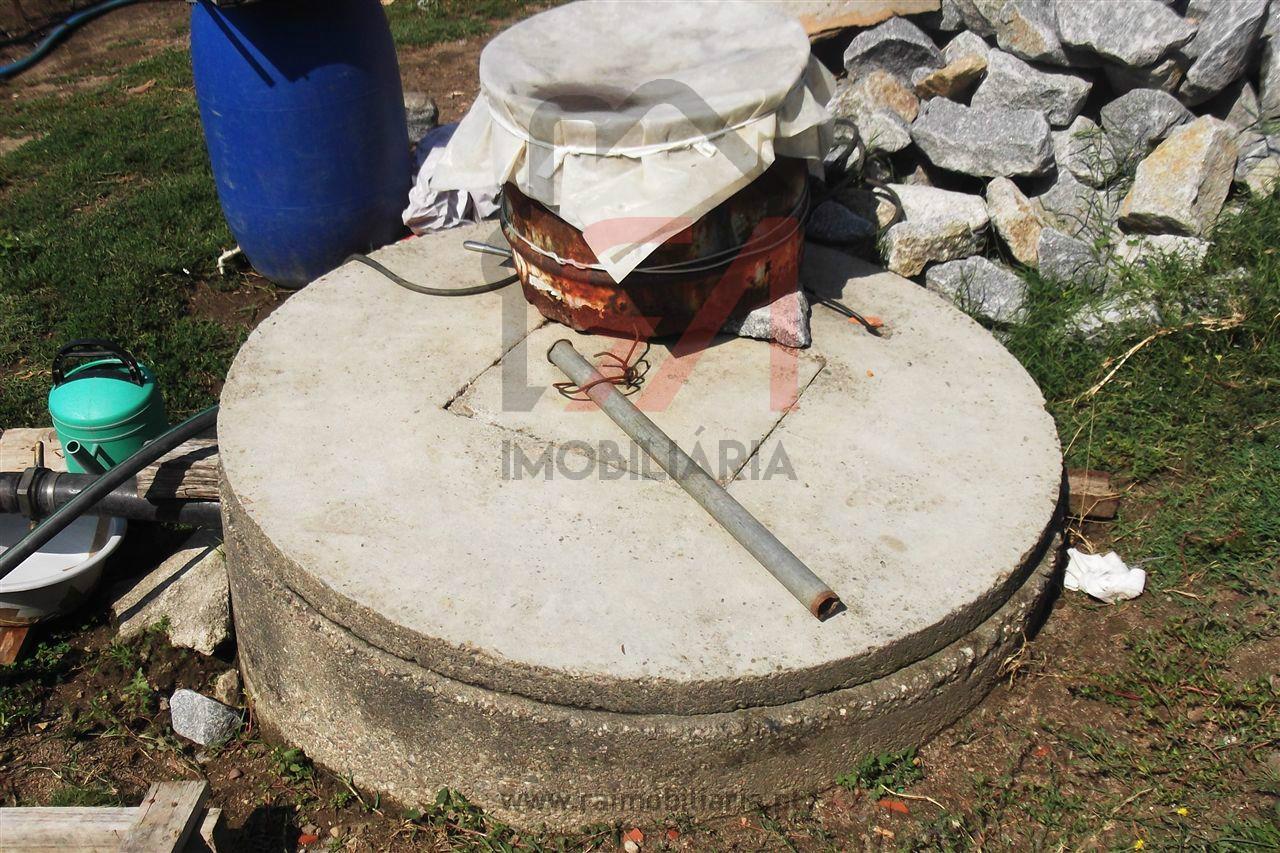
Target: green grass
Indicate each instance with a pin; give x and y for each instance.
(891, 770)
(1191, 422)
(108, 220)
(84, 795)
(23, 685)
(419, 23)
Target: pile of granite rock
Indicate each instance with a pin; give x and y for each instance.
(1076, 137)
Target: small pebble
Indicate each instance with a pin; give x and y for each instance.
(235, 773)
(226, 688)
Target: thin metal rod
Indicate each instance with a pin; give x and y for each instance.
(809, 589)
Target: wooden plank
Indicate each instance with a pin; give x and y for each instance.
(12, 639)
(18, 449)
(1089, 495)
(41, 830)
(189, 472)
(167, 817)
(210, 837)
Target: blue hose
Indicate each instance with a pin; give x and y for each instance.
(56, 35)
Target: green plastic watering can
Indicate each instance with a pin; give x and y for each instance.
(105, 408)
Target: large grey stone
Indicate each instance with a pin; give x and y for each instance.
(1070, 260)
(1165, 75)
(1149, 248)
(964, 44)
(1014, 84)
(637, 641)
(784, 321)
(876, 105)
(884, 131)
(1181, 186)
(198, 718)
(983, 141)
(1222, 47)
(1026, 28)
(1131, 32)
(827, 17)
(938, 225)
(979, 287)
(1269, 78)
(1126, 309)
(421, 114)
(1077, 209)
(1016, 219)
(874, 91)
(897, 46)
(963, 15)
(1084, 151)
(1240, 107)
(227, 688)
(952, 80)
(1258, 162)
(1137, 120)
(189, 590)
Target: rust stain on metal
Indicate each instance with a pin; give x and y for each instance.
(660, 303)
(825, 605)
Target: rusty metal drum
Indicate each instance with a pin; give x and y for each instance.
(739, 256)
(654, 163)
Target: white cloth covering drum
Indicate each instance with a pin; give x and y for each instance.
(633, 119)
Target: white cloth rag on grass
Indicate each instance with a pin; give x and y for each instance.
(1104, 576)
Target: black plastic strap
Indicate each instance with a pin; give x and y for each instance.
(95, 349)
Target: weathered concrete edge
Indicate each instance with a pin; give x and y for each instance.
(407, 731)
(482, 669)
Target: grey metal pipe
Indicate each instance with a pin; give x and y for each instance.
(809, 589)
(486, 248)
(38, 492)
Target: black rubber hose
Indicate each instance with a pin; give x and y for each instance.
(126, 470)
(433, 291)
(56, 35)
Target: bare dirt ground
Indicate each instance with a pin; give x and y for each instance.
(90, 53)
(447, 72)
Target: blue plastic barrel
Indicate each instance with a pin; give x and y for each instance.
(304, 121)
